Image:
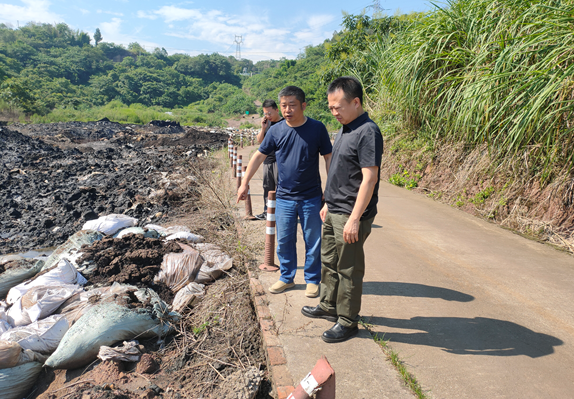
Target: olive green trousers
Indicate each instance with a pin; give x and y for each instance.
(342, 269)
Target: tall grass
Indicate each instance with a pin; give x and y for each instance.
(482, 71)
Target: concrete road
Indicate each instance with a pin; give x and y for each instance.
(473, 310)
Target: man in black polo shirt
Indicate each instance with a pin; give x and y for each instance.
(270, 117)
(351, 205)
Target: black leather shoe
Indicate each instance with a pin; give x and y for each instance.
(318, 313)
(339, 333)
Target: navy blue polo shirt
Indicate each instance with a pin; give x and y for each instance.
(297, 150)
(357, 145)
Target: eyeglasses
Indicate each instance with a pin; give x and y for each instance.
(267, 113)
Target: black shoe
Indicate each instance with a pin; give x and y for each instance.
(318, 313)
(339, 333)
(262, 216)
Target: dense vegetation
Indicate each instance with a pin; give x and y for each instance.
(51, 69)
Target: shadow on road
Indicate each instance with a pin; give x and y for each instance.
(466, 336)
(385, 288)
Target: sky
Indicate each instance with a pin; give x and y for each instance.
(267, 30)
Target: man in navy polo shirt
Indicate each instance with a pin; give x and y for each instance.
(297, 141)
(351, 196)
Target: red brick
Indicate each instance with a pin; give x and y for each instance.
(281, 376)
(261, 300)
(256, 287)
(284, 392)
(263, 312)
(267, 325)
(276, 356)
(270, 339)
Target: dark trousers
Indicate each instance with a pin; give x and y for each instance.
(269, 181)
(343, 268)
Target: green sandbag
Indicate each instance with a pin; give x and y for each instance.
(69, 249)
(17, 381)
(16, 274)
(106, 324)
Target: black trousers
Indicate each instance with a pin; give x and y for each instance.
(269, 181)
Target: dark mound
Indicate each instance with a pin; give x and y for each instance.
(132, 259)
(192, 137)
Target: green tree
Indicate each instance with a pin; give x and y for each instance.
(97, 36)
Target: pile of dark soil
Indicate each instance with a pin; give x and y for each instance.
(48, 193)
(73, 130)
(132, 259)
(191, 137)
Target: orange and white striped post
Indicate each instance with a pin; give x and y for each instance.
(319, 383)
(239, 170)
(248, 205)
(269, 259)
(229, 146)
(234, 166)
(252, 139)
(241, 140)
(231, 156)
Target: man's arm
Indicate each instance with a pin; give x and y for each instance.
(327, 158)
(252, 167)
(351, 230)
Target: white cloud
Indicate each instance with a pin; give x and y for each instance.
(31, 11)
(112, 33)
(262, 38)
(117, 14)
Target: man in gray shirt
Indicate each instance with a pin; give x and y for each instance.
(351, 196)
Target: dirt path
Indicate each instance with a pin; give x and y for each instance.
(474, 311)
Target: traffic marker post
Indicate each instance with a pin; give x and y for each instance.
(248, 205)
(269, 259)
(239, 170)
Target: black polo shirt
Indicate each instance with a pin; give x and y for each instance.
(271, 157)
(357, 145)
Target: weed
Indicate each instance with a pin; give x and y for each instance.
(409, 379)
(405, 180)
(482, 196)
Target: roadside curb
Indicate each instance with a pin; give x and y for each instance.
(275, 355)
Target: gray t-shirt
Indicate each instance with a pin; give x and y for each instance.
(357, 145)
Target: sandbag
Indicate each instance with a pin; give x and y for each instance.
(40, 302)
(77, 305)
(42, 336)
(17, 381)
(187, 296)
(106, 324)
(110, 224)
(179, 269)
(16, 274)
(9, 354)
(182, 235)
(162, 231)
(216, 262)
(70, 249)
(63, 273)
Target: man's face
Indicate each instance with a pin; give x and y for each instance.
(292, 109)
(271, 114)
(345, 111)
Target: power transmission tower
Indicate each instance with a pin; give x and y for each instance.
(238, 41)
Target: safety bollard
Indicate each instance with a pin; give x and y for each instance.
(239, 170)
(248, 205)
(234, 161)
(241, 140)
(231, 156)
(269, 259)
(319, 383)
(252, 141)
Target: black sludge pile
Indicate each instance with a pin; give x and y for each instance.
(48, 193)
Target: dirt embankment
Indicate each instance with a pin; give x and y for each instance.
(55, 177)
(469, 179)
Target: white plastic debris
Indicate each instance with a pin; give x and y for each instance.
(110, 224)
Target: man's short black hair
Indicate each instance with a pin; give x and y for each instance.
(269, 104)
(350, 86)
(292, 91)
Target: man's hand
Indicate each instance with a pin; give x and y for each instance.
(351, 231)
(242, 193)
(323, 213)
(265, 123)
